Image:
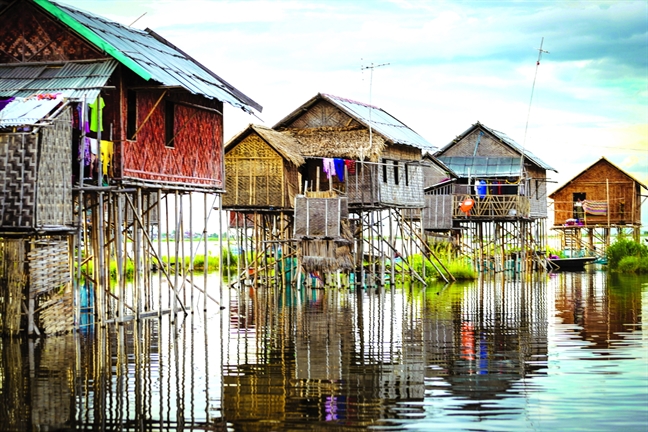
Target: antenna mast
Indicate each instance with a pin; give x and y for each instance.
(371, 68)
(526, 127)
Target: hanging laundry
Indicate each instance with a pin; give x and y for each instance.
(482, 189)
(96, 109)
(328, 165)
(351, 166)
(84, 152)
(5, 102)
(339, 168)
(106, 155)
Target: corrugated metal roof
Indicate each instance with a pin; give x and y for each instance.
(24, 112)
(381, 122)
(502, 136)
(479, 166)
(150, 56)
(505, 139)
(72, 80)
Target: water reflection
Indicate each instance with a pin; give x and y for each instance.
(493, 355)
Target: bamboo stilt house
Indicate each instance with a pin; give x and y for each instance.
(262, 168)
(91, 109)
(600, 195)
(357, 150)
(505, 181)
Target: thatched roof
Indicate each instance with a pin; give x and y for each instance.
(347, 143)
(284, 144)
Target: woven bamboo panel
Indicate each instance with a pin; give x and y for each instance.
(437, 213)
(18, 163)
(254, 176)
(323, 114)
(29, 35)
(49, 266)
(319, 217)
(54, 185)
(194, 156)
(493, 207)
(363, 187)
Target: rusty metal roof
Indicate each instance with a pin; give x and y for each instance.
(149, 55)
(71, 80)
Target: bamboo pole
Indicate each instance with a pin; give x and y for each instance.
(191, 251)
(206, 249)
(159, 248)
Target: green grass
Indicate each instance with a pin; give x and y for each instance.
(460, 268)
(213, 264)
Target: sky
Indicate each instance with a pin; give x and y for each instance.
(439, 66)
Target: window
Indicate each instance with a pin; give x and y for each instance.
(169, 121)
(384, 167)
(406, 175)
(396, 172)
(131, 114)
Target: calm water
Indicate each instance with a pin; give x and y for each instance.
(561, 352)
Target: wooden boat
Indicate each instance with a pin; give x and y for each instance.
(571, 264)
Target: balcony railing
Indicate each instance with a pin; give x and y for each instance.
(493, 206)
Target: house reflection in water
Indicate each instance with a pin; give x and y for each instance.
(337, 357)
(348, 356)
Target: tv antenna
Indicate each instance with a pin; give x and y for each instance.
(371, 68)
(526, 127)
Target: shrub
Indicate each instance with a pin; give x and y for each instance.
(625, 248)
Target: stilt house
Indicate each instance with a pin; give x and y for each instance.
(91, 106)
(358, 157)
(504, 180)
(262, 167)
(602, 195)
(358, 150)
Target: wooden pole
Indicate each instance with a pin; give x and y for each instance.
(607, 197)
(159, 248)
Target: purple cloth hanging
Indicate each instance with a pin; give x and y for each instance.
(5, 102)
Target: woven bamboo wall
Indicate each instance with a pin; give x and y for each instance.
(319, 217)
(602, 182)
(258, 177)
(196, 155)
(402, 186)
(28, 35)
(537, 191)
(49, 265)
(54, 182)
(488, 146)
(363, 188)
(437, 214)
(18, 163)
(323, 114)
